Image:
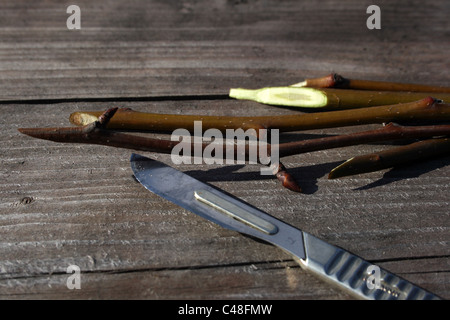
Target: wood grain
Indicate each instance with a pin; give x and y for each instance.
(176, 48)
(77, 204)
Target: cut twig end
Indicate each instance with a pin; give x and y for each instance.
(355, 165)
(329, 81)
(416, 151)
(243, 94)
(82, 118)
(304, 97)
(300, 84)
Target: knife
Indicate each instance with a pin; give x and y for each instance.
(353, 274)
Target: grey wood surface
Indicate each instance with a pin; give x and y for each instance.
(63, 204)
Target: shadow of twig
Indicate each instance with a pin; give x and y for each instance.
(408, 171)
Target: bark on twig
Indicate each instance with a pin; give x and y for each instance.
(95, 133)
(337, 81)
(427, 109)
(92, 134)
(330, 98)
(389, 132)
(414, 152)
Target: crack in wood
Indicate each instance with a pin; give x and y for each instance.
(202, 97)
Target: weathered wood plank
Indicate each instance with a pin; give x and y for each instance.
(149, 48)
(72, 204)
(247, 281)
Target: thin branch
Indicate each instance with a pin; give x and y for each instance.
(91, 134)
(414, 152)
(427, 109)
(337, 81)
(95, 133)
(331, 98)
(389, 132)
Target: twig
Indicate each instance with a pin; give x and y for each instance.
(126, 119)
(389, 132)
(393, 157)
(330, 97)
(95, 133)
(337, 81)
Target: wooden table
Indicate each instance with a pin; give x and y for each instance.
(64, 204)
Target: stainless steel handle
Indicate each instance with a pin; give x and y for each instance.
(355, 275)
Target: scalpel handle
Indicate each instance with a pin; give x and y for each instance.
(355, 275)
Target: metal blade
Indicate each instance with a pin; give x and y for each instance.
(331, 263)
(214, 205)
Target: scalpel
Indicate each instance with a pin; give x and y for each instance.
(331, 263)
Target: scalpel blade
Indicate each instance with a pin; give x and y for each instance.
(349, 272)
(215, 205)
